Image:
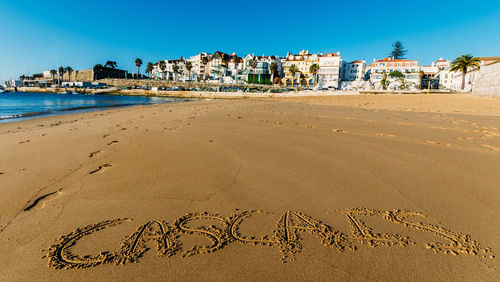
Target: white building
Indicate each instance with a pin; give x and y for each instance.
(354, 70)
(383, 68)
(329, 70)
(199, 65)
(168, 72)
(263, 65)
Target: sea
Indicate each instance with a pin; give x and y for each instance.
(15, 106)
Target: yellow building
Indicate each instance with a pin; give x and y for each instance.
(303, 61)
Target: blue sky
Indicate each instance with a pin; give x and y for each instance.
(40, 35)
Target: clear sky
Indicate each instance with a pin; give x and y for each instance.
(39, 35)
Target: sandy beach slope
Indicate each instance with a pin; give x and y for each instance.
(352, 188)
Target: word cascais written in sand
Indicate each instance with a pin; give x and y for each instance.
(285, 236)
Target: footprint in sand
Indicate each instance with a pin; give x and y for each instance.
(336, 130)
(39, 202)
(385, 135)
(436, 127)
(491, 148)
(100, 168)
(106, 135)
(309, 126)
(123, 128)
(2, 173)
(95, 154)
(464, 138)
(113, 142)
(26, 141)
(437, 143)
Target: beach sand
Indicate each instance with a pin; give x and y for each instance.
(364, 187)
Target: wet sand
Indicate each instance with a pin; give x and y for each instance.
(364, 187)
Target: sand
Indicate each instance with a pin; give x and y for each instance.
(364, 187)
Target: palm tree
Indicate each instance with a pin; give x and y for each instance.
(204, 62)
(273, 68)
(68, 70)
(111, 64)
(189, 66)
(463, 64)
(384, 82)
(60, 72)
(162, 66)
(53, 73)
(138, 63)
(175, 68)
(253, 64)
(314, 69)
(293, 70)
(149, 69)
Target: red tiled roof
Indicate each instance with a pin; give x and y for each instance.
(357, 62)
(395, 60)
(330, 55)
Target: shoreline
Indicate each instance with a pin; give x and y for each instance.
(316, 99)
(230, 95)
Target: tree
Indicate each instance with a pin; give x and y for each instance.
(149, 69)
(314, 69)
(175, 68)
(273, 68)
(98, 66)
(138, 63)
(396, 74)
(403, 83)
(53, 73)
(204, 62)
(399, 51)
(68, 70)
(111, 64)
(384, 82)
(162, 67)
(189, 67)
(60, 72)
(463, 64)
(253, 64)
(293, 70)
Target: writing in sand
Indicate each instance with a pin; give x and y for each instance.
(285, 236)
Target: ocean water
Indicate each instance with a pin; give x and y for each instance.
(19, 106)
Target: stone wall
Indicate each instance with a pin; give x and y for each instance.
(162, 83)
(488, 80)
(81, 75)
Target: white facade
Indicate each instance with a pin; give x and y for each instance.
(329, 70)
(353, 71)
(168, 73)
(198, 70)
(382, 68)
